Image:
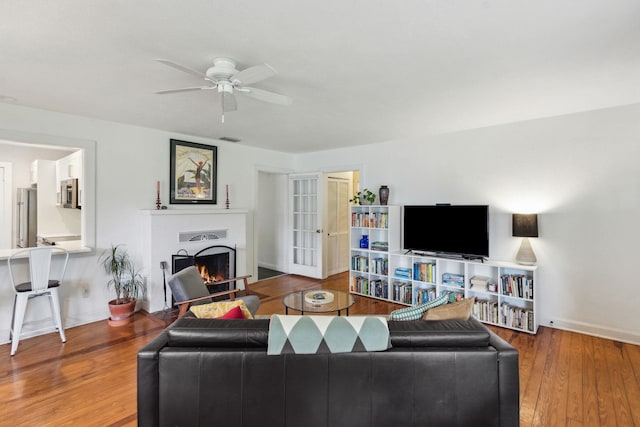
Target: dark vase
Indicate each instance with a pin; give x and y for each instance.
(384, 195)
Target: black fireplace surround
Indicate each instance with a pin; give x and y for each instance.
(215, 263)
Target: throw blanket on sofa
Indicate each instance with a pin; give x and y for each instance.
(327, 334)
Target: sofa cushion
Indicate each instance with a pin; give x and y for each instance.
(218, 309)
(439, 333)
(416, 312)
(234, 313)
(458, 310)
(218, 333)
(327, 334)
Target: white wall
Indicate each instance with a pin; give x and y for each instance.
(129, 161)
(271, 221)
(579, 172)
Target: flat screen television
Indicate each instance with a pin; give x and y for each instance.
(461, 230)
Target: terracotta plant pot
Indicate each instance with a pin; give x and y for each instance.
(121, 313)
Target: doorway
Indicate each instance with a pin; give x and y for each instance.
(272, 247)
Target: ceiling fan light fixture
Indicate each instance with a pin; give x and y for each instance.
(225, 87)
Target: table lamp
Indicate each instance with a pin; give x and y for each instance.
(525, 226)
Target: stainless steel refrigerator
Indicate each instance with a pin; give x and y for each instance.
(27, 217)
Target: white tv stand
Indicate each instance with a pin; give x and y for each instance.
(382, 274)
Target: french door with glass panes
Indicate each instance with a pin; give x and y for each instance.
(305, 222)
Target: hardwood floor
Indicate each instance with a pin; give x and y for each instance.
(566, 379)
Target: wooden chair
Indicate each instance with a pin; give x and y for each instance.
(188, 288)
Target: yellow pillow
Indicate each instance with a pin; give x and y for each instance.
(458, 310)
(217, 309)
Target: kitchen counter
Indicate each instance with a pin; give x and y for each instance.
(72, 246)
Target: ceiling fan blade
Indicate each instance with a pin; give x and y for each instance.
(267, 96)
(253, 74)
(182, 68)
(185, 89)
(229, 102)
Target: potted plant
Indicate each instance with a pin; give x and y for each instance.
(125, 280)
(364, 197)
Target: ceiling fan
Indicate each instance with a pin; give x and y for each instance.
(227, 80)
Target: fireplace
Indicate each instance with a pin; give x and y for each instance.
(215, 263)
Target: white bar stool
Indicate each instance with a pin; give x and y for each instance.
(39, 284)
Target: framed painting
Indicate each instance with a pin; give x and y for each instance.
(193, 170)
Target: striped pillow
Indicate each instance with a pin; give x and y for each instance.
(416, 312)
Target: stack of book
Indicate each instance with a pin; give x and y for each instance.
(403, 272)
(380, 246)
(453, 279)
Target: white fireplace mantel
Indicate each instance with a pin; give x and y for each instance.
(161, 230)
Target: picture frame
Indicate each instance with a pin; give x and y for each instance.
(193, 173)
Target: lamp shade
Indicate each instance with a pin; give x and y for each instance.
(525, 225)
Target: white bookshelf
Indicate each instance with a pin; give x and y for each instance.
(389, 274)
(369, 266)
(511, 304)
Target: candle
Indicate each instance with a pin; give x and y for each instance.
(158, 186)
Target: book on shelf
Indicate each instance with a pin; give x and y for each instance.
(425, 295)
(403, 272)
(360, 285)
(379, 220)
(453, 279)
(402, 292)
(380, 266)
(359, 219)
(483, 284)
(380, 246)
(516, 317)
(360, 263)
(517, 285)
(486, 311)
(370, 220)
(380, 288)
(424, 271)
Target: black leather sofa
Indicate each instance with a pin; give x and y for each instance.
(210, 372)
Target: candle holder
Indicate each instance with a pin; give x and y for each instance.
(226, 203)
(158, 202)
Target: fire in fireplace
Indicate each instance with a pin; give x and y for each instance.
(214, 263)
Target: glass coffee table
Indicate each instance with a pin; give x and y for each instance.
(318, 301)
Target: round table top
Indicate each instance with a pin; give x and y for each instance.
(300, 301)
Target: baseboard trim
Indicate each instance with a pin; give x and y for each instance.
(594, 330)
(270, 266)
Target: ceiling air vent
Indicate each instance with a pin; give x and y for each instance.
(197, 236)
(229, 139)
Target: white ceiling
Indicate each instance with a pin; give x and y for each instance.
(359, 71)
